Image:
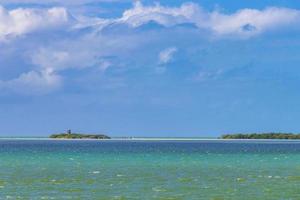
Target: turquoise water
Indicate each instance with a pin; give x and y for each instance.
(45, 169)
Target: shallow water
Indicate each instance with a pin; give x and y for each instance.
(47, 169)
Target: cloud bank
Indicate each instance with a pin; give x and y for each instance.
(244, 22)
(55, 41)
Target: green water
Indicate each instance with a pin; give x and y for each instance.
(149, 170)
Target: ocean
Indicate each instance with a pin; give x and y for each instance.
(149, 169)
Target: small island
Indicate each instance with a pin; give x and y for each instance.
(287, 136)
(70, 135)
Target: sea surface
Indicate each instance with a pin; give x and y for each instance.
(149, 169)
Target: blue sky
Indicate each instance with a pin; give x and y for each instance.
(149, 68)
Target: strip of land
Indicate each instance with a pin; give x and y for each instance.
(287, 136)
(78, 136)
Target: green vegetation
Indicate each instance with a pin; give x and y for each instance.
(70, 135)
(262, 136)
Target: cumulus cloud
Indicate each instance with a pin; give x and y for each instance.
(167, 16)
(78, 54)
(21, 21)
(65, 2)
(80, 42)
(249, 22)
(166, 55)
(33, 83)
(244, 23)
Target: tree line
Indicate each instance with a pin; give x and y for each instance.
(261, 136)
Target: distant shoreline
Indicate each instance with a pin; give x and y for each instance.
(269, 136)
(150, 139)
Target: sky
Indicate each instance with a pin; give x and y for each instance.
(171, 68)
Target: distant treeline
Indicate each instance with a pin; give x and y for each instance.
(262, 136)
(78, 136)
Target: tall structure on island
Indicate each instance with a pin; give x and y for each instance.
(69, 132)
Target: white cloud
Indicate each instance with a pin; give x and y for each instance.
(244, 23)
(21, 21)
(51, 59)
(72, 55)
(166, 55)
(249, 22)
(33, 82)
(65, 2)
(97, 42)
(167, 16)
